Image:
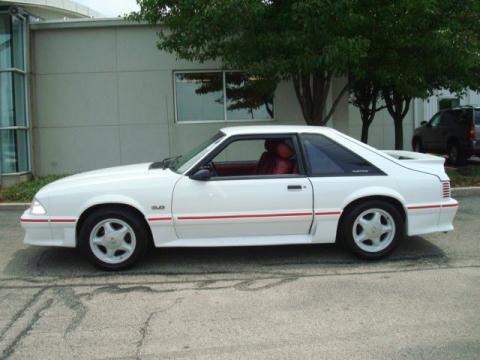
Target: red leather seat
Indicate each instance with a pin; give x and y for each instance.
(283, 164)
(266, 164)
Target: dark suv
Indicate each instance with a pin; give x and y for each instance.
(455, 132)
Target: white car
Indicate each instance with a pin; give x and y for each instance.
(255, 185)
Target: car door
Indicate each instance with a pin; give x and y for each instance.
(431, 133)
(246, 205)
(446, 128)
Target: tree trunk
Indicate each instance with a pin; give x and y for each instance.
(398, 106)
(312, 93)
(398, 133)
(365, 95)
(365, 127)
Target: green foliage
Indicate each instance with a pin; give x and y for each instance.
(465, 176)
(24, 192)
(305, 41)
(397, 50)
(416, 47)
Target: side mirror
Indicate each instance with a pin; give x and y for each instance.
(423, 123)
(201, 175)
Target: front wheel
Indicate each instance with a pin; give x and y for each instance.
(113, 239)
(372, 230)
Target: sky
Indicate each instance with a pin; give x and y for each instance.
(110, 8)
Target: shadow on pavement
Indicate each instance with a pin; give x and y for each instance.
(61, 262)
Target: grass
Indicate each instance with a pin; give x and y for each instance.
(465, 176)
(24, 192)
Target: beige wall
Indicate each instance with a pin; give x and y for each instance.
(104, 96)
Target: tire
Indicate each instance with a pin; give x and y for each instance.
(417, 145)
(128, 242)
(456, 155)
(361, 219)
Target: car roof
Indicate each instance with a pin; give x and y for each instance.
(462, 107)
(276, 129)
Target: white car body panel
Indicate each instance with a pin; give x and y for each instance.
(184, 212)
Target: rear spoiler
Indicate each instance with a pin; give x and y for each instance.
(421, 162)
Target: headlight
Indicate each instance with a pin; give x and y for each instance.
(37, 208)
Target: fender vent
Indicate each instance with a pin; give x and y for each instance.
(446, 189)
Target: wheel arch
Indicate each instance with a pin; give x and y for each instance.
(392, 199)
(87, 211)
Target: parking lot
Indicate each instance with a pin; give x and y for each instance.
(239, 303)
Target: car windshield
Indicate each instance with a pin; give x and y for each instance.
(183, 162)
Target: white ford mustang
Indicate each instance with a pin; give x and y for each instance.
(255, 185)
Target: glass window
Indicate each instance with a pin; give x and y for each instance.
(256, 157)
(448, 118)
(246, 98)
(12, 100)
(18, 43)
(200, 96)
(464, 117)
(14, 151)
(7, 113)
(477, 117)
(327, 158)
(14, 138)
(183, 162)
(435, 121)
(5, 42)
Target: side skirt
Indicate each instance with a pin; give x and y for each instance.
(241, 241)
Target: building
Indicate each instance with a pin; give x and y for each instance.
(83, 93)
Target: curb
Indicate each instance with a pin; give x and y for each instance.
(466, 191)
(14, 206)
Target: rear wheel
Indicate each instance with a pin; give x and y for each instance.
(372, 229)
(456, 155)
(113, 239)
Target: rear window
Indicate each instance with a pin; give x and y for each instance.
(327, 158)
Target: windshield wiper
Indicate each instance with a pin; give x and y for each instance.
(170, 160)
(164, 163)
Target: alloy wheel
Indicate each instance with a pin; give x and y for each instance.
(112, 241)
(373, 230)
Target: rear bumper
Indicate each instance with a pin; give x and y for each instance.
(47, 231)
(430, 218)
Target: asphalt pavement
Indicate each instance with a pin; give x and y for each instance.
(289, 302)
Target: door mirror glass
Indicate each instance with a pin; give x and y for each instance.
(423, 123)
(201, 175)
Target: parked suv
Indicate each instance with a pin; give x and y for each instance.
(455, 132)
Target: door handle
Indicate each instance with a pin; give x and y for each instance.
(294, 187)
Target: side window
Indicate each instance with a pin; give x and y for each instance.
(464, 117)
(435, 120)
(325, 157)
(448, 118)
(477, 117)
(256, 157)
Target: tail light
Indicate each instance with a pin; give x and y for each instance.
(471, 133)
(446, 189)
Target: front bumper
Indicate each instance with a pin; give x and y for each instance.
(47, 231)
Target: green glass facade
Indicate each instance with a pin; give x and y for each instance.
(14, 124)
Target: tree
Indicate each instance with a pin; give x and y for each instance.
(366, 95)
(416, 47)
(307, 42)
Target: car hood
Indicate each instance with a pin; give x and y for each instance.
(111, 175)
